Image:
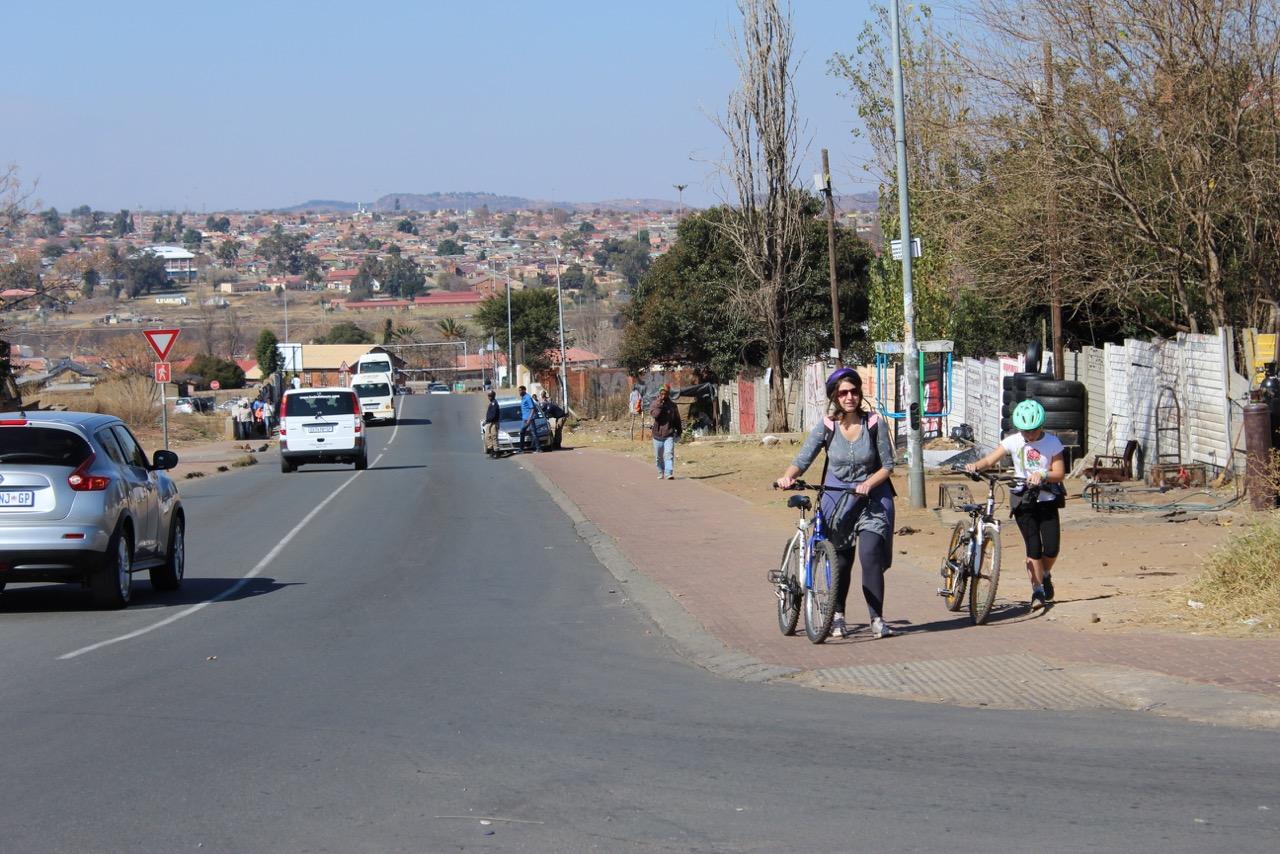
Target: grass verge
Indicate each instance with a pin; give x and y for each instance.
(1241, 582)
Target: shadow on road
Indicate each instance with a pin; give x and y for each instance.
(52, 598)
(410, 422)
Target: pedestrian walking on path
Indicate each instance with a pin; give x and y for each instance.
(666, 427)
(859, 456)
(1037, 456)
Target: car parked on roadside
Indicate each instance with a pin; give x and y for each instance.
(321, 425)
(438, 388)
(509, 423)
(192, 405)
(80, 502)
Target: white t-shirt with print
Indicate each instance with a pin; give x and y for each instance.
(1034, 456)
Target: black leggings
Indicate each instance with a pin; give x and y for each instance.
(1040, 530)
(874, 555)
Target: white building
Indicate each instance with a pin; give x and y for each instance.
(179, 264)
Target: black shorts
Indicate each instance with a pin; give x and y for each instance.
(1040, 530)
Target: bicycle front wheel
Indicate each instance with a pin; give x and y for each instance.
(820, 595)
(955, 568)
(986, 576)
(789, 589)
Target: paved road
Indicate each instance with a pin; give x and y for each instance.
(434, 645)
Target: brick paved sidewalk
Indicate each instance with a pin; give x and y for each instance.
(711, 550)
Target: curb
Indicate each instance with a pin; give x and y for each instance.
(689, 637)
(1096, 686)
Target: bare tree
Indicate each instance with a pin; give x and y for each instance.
(766, 228)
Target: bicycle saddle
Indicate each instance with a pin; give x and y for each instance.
(801, 501)
(971, 508)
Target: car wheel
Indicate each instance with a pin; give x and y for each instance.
(286, 466)
(362, 462)
(169, 575)
(112, 585)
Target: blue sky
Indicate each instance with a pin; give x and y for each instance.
(245, 105)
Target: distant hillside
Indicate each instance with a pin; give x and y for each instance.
(321, 206)
(462, 201)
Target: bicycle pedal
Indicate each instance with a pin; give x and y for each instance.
(775, 576)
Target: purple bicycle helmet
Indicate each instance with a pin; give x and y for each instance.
(842, 374)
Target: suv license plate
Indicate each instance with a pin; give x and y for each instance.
(319, 428)
(17, 499)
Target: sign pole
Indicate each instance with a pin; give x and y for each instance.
(161, 341)
(164, 413)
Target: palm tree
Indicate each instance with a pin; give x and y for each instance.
(451, 329)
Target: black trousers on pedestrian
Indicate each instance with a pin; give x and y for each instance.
(873, 553)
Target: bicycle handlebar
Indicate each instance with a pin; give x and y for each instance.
(802, 486)
(991, 478)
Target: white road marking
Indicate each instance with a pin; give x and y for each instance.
(251, 574)
(396, 429)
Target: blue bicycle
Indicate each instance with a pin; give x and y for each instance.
(805, 581)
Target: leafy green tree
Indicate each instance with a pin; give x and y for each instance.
(534, 323)
(51, 222)
(370, 271)
(19, 275)
(451, 227)
(449, 246)
(81, 212)
(451, 330)
(267, 352)
(53, 250)
(122, 224)
(89, 280)
(402, 276)
(144, 272)
(628, 257)
(227, 252)
(574, 278)
(191, 238)
(345, 332)
(285, 254)
(406, 226)
(219, 224)
(586, 228)
(209, 368)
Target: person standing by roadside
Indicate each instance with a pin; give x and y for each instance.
(491, 417)
(555, 416)
(859, 455)
(268, 413)
(1037, 456)
(666, 428)
(528, 421)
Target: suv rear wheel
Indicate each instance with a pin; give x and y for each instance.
(112, 585)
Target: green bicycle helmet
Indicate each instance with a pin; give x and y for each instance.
(1028, 415)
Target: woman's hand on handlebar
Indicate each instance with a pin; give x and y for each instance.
(784, 482)
(1034, 478)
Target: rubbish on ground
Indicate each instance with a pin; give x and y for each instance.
(770, 440)
(1191, 603)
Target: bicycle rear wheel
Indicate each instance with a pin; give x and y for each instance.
(789, 590)
(955, 572)
(986, 576)
(819, 596)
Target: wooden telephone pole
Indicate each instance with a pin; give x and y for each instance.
(831, 260)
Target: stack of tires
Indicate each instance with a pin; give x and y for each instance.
(1063, 401)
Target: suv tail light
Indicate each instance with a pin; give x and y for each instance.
(14, 422)
(81, 481)
(284, 405)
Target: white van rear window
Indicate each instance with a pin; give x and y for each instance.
(372, 390)
(311, 404)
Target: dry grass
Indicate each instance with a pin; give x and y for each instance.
(133, 399)
(1241, 584)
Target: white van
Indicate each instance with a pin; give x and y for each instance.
(377, 396)
(374, 363)
(321, 425)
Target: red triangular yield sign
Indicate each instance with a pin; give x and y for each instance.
(161, 340)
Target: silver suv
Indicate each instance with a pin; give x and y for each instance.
(79, 501)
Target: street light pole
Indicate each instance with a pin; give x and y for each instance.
(910, 356)
(564, 382)
(510, 359)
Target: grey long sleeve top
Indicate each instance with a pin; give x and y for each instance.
(850, 464)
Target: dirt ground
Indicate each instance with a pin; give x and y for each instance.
(1118, 571)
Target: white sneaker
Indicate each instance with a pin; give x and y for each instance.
(838, 628)
(881, 629)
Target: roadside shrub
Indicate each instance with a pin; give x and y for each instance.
(209, 368)
(132, 399)
(1242, 578)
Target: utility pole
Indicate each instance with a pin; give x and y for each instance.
(836, 349)
(910, 355)
(1051, 214)
(510, 356)
(564, 382)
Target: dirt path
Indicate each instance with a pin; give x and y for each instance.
(1118, 571)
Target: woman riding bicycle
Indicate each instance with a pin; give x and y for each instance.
(860, 457)
(1037, 456)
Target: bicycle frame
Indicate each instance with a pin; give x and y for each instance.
(819, 533)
